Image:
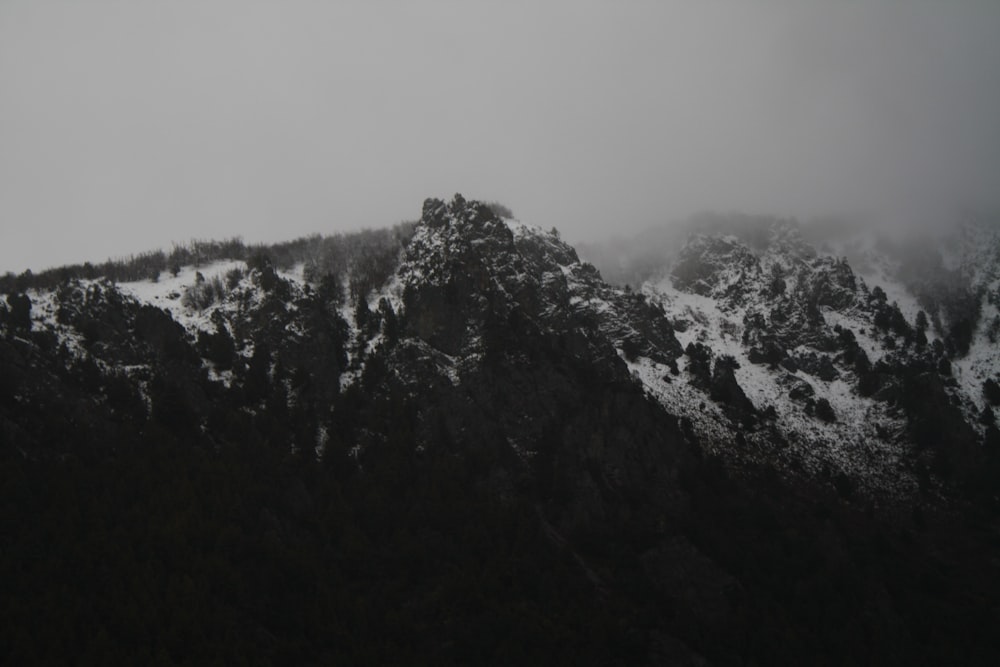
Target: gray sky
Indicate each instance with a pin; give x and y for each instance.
(125, 126)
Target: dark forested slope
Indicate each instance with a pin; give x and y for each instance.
(433, 449)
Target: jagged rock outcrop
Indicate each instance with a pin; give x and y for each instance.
(810, 341)
(685, 472)
(715, 266)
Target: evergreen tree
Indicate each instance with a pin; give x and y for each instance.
(19, 309)
(991, 391)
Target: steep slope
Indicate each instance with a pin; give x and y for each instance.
(873, 380)
(463, 446)
(484, 363)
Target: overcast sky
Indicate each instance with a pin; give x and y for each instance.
(126, 126)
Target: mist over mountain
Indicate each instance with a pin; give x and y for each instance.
(259, 406)
(453, 441)
(128, 127)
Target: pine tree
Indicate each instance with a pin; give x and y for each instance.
(20, 311)
(991, 391)
(986, 417)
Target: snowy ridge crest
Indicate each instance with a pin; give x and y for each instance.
(763, 350)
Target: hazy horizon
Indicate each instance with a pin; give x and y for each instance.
(126, 127)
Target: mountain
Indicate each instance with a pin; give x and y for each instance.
(883, 377)
(454, 442)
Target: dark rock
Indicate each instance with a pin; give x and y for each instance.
(699, 365)
(991, 391)
(818, 365)
(789, 365)
(825, 411)
(708, 264)
(799, 389)
(726, 390)
(434, 212)
(768, 353)
(833, 284)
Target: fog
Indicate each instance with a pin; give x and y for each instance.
(126, 126)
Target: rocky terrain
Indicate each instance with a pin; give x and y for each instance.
(455, 441)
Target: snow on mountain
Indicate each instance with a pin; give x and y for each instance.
(805, 332)
(768, 351)
(850, 442)
(758, 431)
(168, 290)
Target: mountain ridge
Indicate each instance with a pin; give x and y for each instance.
(675, 461)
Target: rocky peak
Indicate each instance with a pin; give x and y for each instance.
(468, 272)
(437, 213)
(471, 367)
(714, 265)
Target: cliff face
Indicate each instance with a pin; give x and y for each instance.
(624, 476)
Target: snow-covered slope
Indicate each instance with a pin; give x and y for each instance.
(759, 348)
(823, 354)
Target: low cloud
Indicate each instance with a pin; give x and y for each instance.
(127, 126)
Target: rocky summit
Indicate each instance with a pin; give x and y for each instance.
(454, 442)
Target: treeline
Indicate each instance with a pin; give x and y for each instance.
(368, 255)
(144, 266)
